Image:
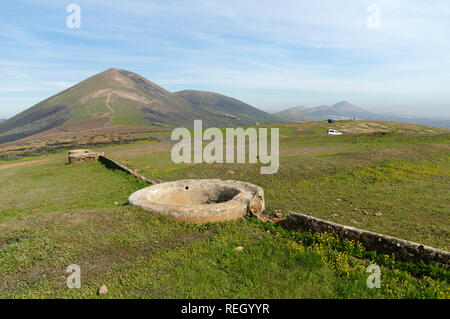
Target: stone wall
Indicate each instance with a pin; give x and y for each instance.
(402, 249)
(116, 165)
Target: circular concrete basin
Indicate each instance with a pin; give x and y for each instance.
(200, 201)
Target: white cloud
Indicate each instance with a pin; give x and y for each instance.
(323, 47)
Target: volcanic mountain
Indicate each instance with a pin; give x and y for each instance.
(119, 97)
(339, 110)
(237, 112)
(294, 114)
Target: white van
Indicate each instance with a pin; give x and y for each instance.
(333, 132)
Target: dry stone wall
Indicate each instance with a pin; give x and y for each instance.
(403, 249)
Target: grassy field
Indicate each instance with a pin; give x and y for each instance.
(385, 177)
(396, 183)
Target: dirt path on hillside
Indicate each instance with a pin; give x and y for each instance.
(110, 109)
(6, 166)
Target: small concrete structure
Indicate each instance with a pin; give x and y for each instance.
(80, 156)
(200, 201)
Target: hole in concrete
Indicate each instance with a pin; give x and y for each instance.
(221, 196)
(195, 194)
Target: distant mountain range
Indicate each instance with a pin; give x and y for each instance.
(294, 114)
(345, 111)
(119, 97)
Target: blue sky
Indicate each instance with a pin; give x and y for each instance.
(271, 54)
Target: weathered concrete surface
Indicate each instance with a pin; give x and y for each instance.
(200, 201)
(80, 156)
(402, 249)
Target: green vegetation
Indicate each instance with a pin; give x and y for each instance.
(53, 215)
(395, 185)
(127, 112)
(56, 186)
(139, 256)
(94, 108)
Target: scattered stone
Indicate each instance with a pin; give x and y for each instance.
(354, 221)
(239, 248)
(335, 215)
(116, 203)
(278, 215)
(231, 172)
(338, 199)
(365, 212)
(378, 214)
(102, 290)
(263, 217)
(354, 209)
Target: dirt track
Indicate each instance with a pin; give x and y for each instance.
(6, 166)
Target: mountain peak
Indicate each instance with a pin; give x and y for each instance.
(347, 107)
(294, 114)
(112, 70)
(342, 102)
(120, 97)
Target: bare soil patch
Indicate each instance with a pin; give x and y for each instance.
(6, 166)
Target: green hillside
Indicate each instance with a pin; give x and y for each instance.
(391, 178)
(119, 97)
(236, 111)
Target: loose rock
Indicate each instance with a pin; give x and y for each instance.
(102, 290)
